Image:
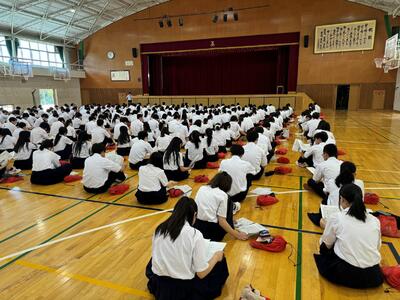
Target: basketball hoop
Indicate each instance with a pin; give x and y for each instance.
(61, 74)
(379, 62)
(386, 69)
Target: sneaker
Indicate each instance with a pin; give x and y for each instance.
(269, 173)
(13, 171)
(301, 165)
(248, 293)
(306, 187)
(236, 207)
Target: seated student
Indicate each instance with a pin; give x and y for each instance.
(99, 172)
(235, 127)
(173, 161)
(71, 132)
(215, 215)
(7, 142)
(346, 176)
(179, 268)
(46, 166)
(124, 141)
(229, 134)
(23, 151)
(81, 150)
(255, 155)
(324, 126)
(40, 133)
(240, 171)
(100, 134)
(312, 125)
(153, 182)
(264, 143)
(163, 140)
(62, 144)
(327, 170)
(124, 122)
(140, 151)
(349, 250)
(150, 134)
(21, 126)
(211, 149)
(195, 152)
(220, 137)
(312, 157)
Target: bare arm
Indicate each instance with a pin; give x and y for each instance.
(218, 256)
(234, 233)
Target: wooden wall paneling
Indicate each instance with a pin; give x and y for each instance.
(378, 99)
(354, 97)
(190, 100)
(228, 100)
(323, 94)
(242, 101)
(202, 101)
(214, 101)
(272, 100)
(154, 101)
(177, 101)
(167, 101)
(256, 100)
(285, 100)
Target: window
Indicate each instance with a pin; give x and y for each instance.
(47, 98)
(39, 54)
(4, 56)
(7, 107)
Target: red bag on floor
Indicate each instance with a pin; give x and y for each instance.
(11, 179)
(111, 147)
(277, 245)
(392, 276)
(64, 162)
(264, 200)
(201, 178)
(371, 198)
(277, 142)
(173, 193)
(341, 152)
(72, 178)
(118, 189)
(283, 170)
(388, 226)
(283, 160)
(281, 151)
(221, 155)
(240, 143)
(212, 165)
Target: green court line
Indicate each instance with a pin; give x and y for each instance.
(367, 181)
(64, 230)
(274, 186)
(299, 242)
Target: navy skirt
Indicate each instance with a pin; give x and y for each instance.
(176, 175)
(167, 288)
(150, 198)
(210, 230)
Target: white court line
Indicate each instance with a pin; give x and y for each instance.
(382, 188)
(82, 233)
(278, 193)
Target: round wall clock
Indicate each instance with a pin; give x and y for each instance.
(110, 55)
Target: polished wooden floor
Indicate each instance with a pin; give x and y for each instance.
(109, 263)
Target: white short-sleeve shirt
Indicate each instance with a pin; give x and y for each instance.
(211, 203)
(151, 178)
(44, 160)
(96, 170)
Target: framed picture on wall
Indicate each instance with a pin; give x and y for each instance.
(122, 75)
(343, 37)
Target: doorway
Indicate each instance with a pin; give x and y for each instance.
(342, 98)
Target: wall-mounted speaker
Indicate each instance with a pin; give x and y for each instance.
(134, 52)
(306, 41)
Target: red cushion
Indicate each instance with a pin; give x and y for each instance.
(283, 170)
(264, 200)
(388, 226)
(118, 189)
(371, 198)
(283, 160)
(221, 155)
(241, 143)
(11, 179)
(72, 178)
(173, 193)
(277, 142)
(281, 151)
(278, 244)
(341, 152)
(212, 165)
(111, 147)
(201, 178)
(392, 276)
(64, 162)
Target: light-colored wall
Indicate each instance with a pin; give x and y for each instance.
(19, 93)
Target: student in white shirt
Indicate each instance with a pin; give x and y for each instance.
(21, 126)
(264, 143)
(63, 144)
(325, 171)
(255, 155)
(140, 151)
(313, 156)
(173, 164)
(100, 135)
(349, 250)
(241, 172)
(137, 125)
(220, 137)
(46, 166)
(71, 132)
(11, 124)
(215, 215)
(124, 122)
(179, 266)
(24, 151)
(153, 182)
(211, 146)
(7, 142)
(56, 126)
(40, 133)
(124, 141)
(195, 152)
(163, 140)
(312, 125)
(81, 149)
(100, 172)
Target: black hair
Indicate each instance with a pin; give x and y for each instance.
(12, 119)
(252, 136)
(222, 180)
(4, 132)
(21, 124)
(197, 123)
(237, 150)
(353, 194)
(142, 135)
(331, 150)
(315, 115)
(322, 135)
(100, 122)
(61, 131)
(23, 141)
(45, 126)
(324, 125)
(209, 135)
(173, 150)
(184, 211)
(164, 131)
(123, 137)
(83, 137)
(46, 144)
(346, 175)
(156, 159)
(98, 148)
(195, 138)
(259, 129)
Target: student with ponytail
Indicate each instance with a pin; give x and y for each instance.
(349, 247)
(63, 144)
(46, 167)
(81, 150)
(24, 151)
(124, 141)
(211, 149)
(173, 161)
(180, 268)
(7, 142)
(195, 151)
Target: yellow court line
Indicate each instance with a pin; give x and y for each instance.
(90, 280)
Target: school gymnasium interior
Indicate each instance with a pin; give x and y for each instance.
(60, 242)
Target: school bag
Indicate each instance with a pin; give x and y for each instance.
(283, 170)
(264, 200)
(392, 276)
(283, 160)
(201, 178)
(281, 151)
(371, 198)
